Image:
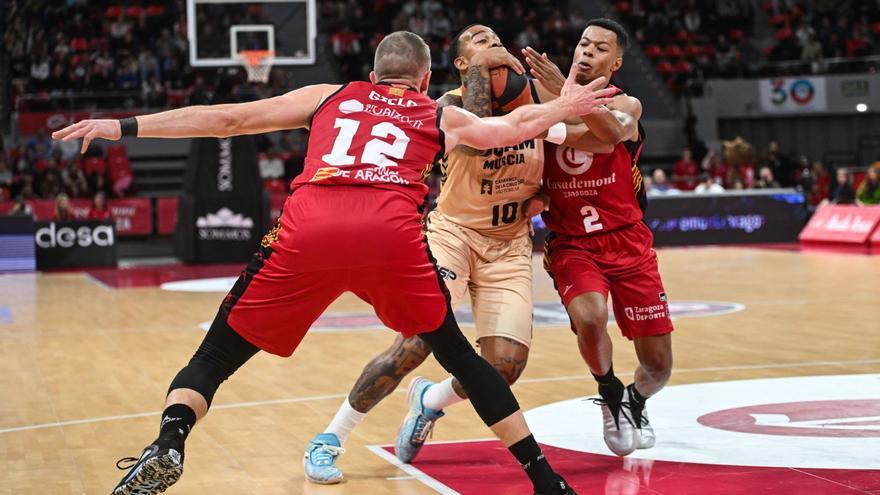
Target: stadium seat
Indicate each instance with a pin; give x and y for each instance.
(79, 44)
(681, 67)
(155, 10)
(682, 36)
(117, 150)
(654, 51)
(113, 11)
(134, 11)
(736, 34)
(94, 164)
(778, 20)
(692, 51)
(672, 51)
(784, 34)
(121, 176)
(623, 7)
(664, 67)
(275, 186)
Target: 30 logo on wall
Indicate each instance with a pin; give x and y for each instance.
(224, 225)
(793, 94)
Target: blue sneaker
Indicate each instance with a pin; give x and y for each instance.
(319, 461)
(418, 424)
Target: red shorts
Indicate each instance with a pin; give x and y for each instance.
(329, 240)
(621, 262)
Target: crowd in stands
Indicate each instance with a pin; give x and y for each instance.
(718, 172)
(40, 168)
(136, 53)
(691, 40)
(355, 27)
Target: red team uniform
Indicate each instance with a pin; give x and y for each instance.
(598, 242)
(352, 223)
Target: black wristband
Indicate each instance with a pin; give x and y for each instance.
(129, 126)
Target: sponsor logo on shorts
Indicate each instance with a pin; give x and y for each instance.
(645, 313)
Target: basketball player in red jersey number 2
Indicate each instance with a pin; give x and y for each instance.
(352, 224)
(599, 244)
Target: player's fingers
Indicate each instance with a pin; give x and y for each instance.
(531, 53)
(595, 83)
(67, 130)
(605, 93)
(87, 139)
(515, 64)
(78, 133)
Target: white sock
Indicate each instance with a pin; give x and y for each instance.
(441, 395)
(345, 420)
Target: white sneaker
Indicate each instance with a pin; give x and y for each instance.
(620, 435)
(646, 432)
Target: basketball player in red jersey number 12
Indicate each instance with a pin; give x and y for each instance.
(369, 146)
(599, 244)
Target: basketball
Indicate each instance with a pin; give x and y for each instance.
(509, 90)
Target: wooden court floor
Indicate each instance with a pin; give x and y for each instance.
(84, 370)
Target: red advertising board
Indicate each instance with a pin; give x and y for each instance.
(134, 216)
(875, 239)
(30, 122)
(842, 223)
(167, 209)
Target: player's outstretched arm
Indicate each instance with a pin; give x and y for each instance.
(528, 121)
(618, 122)
(289, 111)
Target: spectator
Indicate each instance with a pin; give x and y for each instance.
(660, 184)
(50, 183)
(40, 144)
(869, 189)
(821, 182)
(74, 180)
(21, 208)
(781, 165)
(99, 209)
(685, 171)
(708, 185)
(63, 211)
(765, 179)
(843, 193)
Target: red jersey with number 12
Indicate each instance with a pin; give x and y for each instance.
(373, 135)
(593, 193)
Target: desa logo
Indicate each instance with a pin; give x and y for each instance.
(67, 237)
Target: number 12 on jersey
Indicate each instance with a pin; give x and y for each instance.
(591, 219)
(376, 152)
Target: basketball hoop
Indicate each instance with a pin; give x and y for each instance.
(258, 64)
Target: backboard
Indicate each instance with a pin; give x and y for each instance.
(219, 29)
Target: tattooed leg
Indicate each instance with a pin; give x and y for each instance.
(508, 356)
(382, 375)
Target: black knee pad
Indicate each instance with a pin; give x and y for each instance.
(486, 389)
(220, 354)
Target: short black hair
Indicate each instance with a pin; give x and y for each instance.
(612, 25)
(455, 46)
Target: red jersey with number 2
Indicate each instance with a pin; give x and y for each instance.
(373, 135)
(593, 193)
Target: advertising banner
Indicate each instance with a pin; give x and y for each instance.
(793, 95)
(842, 223)
(729, 218)
(75, 244)
(17, 244)
(224, 211)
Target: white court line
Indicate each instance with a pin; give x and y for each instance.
(294, 400)
(412, 471)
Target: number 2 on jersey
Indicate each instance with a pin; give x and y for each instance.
(376, 151)
(591, 219)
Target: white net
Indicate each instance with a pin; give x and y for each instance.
(258, 64)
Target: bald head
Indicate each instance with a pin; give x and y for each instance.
(402, 55)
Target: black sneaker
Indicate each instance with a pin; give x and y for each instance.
(560, 488)
(156, 470)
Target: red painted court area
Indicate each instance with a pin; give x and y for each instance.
(485, 467)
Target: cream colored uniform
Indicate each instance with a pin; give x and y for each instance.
(480, 237)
